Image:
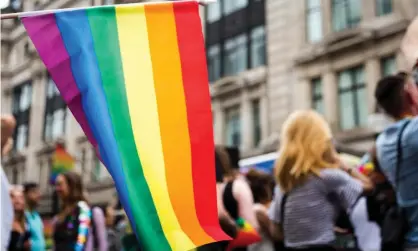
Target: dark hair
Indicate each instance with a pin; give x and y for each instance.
(29, 186)
(390, 94)
(224, 161)
(261, 185)
(75, 187)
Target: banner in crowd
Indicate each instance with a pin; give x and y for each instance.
(135, 78)
(62, 162)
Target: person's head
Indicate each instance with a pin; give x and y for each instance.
(260, 184)
(397, 95)
(225, 161)
(69, 188)
(32, 194)
(18, 199)
(305, 148)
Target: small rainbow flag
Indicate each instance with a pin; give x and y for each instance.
(135, 78)
(246, 235)
(61, 162)
(366, 165)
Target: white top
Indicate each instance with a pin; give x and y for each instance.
(367, 232)
(6, 208)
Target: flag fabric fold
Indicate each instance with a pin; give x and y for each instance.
(135, 79)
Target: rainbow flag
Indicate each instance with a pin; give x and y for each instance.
(135, 78)
(246, 235)
(366, 165)
(61, 162)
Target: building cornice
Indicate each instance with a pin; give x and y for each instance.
(232, 84)
(339, 42)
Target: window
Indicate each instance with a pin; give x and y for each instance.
(256, 122)
(213, 12)
(230, 6)
(233, 127)
(314, 20)
(22, 99)
(317, 96)
(107, 2)
(235, 55)
(383, 7)
(345, 14)
(96, 168)
(388, 66)
(258, 47)
(55, 113)
(214, 62)
(352, 98)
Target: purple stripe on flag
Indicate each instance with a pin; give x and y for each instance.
(52, 51)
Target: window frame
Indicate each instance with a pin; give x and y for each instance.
(308, 11)
(230, 113)
(22, 117)
(236, 44)
(379, 6)
(53, 104)
(252, 48)
(350, 23)
(352, 89)
(218, 32)
(383, 62)
(317, 97)
(211, 58)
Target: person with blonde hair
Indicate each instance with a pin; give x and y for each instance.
(314, 185)
(20, 234)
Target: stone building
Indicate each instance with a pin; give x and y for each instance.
(266, 58)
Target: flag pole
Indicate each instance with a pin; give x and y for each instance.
(41, 12)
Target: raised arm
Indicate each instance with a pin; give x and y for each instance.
(242, 193)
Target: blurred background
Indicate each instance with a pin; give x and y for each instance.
(265, 59)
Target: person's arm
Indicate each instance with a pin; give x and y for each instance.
(242, 193)
(99, 221)
(265, 224)
(347, 189)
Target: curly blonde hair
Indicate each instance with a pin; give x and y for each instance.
(306, 147)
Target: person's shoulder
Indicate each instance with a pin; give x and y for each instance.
(331, 173)
(333, 176)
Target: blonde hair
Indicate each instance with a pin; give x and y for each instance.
(305, 149)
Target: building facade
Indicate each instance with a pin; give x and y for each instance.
(322, 54)
(266, 58)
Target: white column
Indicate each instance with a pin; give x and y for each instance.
(302, 94)
(330, 89)
(373, 74)
(219, 119)
(37, 110)
(246, 122)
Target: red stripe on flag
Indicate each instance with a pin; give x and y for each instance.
(199, 115)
